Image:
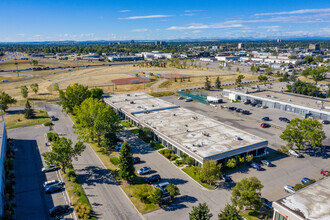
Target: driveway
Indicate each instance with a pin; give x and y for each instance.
(106, 197)
(191, 192)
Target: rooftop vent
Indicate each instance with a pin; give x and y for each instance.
(132, 102)
(236, 138)
(128, 94)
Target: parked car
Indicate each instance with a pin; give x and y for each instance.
(239, 110)
(188, 100)
(226, 178)
(265, 119)
(232, 108)
(49, 168)
(163, 186)
(266, 163)
(60, 209)
(54, 188)
(265, 125)
(254, 104)
(264, 107)
(245, 112)
(51, 182)
(136, 159)
(153, 178)
(255, 165)
(144, 170)
(284, 119)
(53, 118)
(324, 172)
(248, 102)
(181, 97)
(289, 189)
(306, 180)
(325, 122)
(294, 153)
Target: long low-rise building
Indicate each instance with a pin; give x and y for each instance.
(185, 131)
(3, 149)
(312, 202)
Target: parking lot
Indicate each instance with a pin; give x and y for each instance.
(286, 170)
(31, 200)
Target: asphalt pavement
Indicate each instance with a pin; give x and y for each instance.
(106, 197)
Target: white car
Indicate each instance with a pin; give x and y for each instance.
(49, 168)
(50, 182)
(289, 189)
(144, 170)
(294, 153)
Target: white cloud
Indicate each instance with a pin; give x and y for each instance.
(21, 35)
(139, 30)
(303, 11)
(190, 14)
(210, 26)
(267, 27)
(124, 11)
(189, 11)
(196, 31)
(147, 16)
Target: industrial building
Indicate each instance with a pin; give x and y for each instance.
(277, 101)
(185, 131)
(3, 149)
(311, 202)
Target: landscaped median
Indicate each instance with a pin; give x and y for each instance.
(18, 120)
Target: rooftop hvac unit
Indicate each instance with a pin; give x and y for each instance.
(128, 94)
(237, 138)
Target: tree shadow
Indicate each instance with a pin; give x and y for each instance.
(14, 112)
(226, 185)
(174, 181)
(322, 152)
(138, 146)
(178, 203)
(92, 175)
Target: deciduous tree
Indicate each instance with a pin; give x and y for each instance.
(96, 93)
(173, 190)
(24, 91)
(5, 100)
(63, 153)
(73, 96)
(239, 78)
(34, 87)
(247, 194)
(210, 172)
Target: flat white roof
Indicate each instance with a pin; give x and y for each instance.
(197, 133)
(312, 202)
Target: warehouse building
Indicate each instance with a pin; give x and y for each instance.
(185, 131)
(292, 106)
(311, 202)
(3, 149)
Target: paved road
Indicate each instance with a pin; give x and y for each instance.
(31, 200)
(191, 192)
(106, 197)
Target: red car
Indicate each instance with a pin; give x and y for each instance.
(265, 125)
(324, 172)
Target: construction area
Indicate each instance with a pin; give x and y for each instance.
(185, 131)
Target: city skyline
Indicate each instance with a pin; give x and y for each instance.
(154, 20)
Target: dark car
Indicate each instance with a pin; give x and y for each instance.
(265, 119)
(153, 178)
(53, 118)
(265, 125)
(54, 188)
(325, 122)
(245, 112)
(60, 209)
(248, 102)
(136, 159)
(284, 119)
(255, 165)
(239, 110)
(232, 108)
(226, 178)
(254, 104)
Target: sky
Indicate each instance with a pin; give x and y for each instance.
(58, 20)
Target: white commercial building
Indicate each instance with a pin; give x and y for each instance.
(185, 131)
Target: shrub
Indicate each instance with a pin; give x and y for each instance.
(167, 155)
(48, 123)
(52, 136)
(114, 160)
(152, 144)
(249, 158)
(190, 161)
(231, 163)
(241, 159)
(178, 162)
(172, 158)
(83, 211)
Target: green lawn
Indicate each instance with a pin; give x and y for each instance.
(18, 120)
(135, 131)
(189, 171)
(158, 146)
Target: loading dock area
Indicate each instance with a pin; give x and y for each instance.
(185, 131)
